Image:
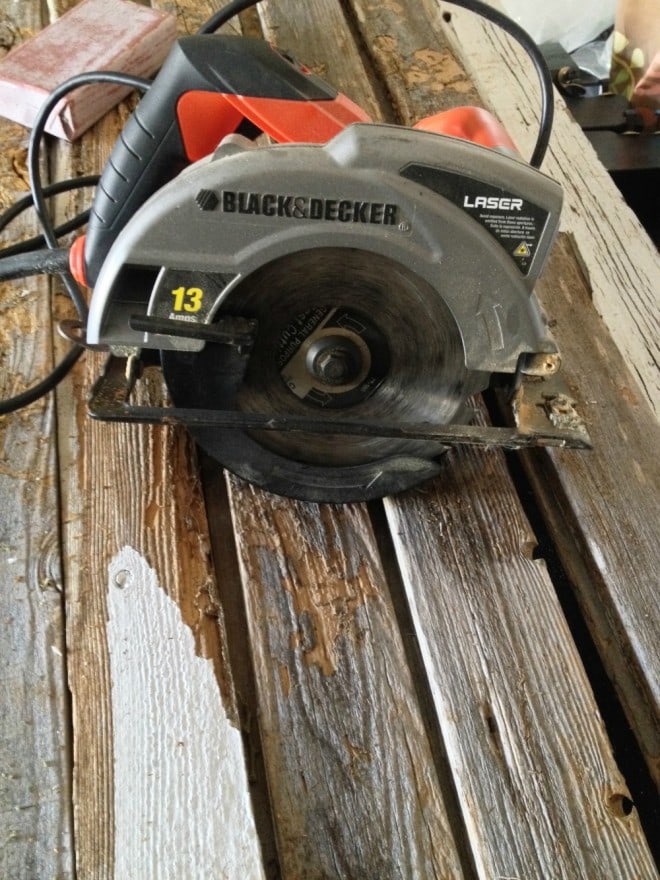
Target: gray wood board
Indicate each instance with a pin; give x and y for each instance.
(410, 55)
(540, 791)
(35, 807)
(603, 508)
(152, 695)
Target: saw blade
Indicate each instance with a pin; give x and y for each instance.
(342, 333)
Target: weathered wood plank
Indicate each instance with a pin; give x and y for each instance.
(133, 494)
(621, 263)
(350, 768)
(173, 743)
(35, 810)
(627, 630)
(353, 784)
(411, 56)
(336, 695)
(540, 792)
(511, 842)
(604, 507)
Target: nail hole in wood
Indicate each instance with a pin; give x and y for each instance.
(620, 805)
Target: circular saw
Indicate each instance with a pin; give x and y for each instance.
(323, 294)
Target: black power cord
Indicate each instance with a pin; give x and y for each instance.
(231, 10)
(47, 261)
(27, 201)
(52, 259)
(521, 36)
(14, 262)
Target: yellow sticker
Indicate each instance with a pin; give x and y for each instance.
(188, 299)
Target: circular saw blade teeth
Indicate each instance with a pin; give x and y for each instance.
(408, 356)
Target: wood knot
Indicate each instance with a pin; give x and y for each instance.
(7, 36)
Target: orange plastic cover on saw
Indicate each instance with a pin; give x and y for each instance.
(313, 121)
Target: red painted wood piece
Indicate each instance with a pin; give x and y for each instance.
(94, 35)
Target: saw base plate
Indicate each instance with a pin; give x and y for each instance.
(544, 414)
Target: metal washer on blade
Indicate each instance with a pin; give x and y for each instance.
(332, 357)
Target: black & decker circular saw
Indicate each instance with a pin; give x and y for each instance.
(324, 294)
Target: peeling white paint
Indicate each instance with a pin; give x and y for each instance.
(182, 806)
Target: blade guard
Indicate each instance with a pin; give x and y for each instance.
(382, 189)
(285, 121)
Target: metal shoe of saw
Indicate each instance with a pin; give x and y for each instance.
(323, 307)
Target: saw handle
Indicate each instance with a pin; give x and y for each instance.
(198, 97)
(148, 152)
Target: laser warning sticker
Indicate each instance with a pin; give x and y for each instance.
(515, 222)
